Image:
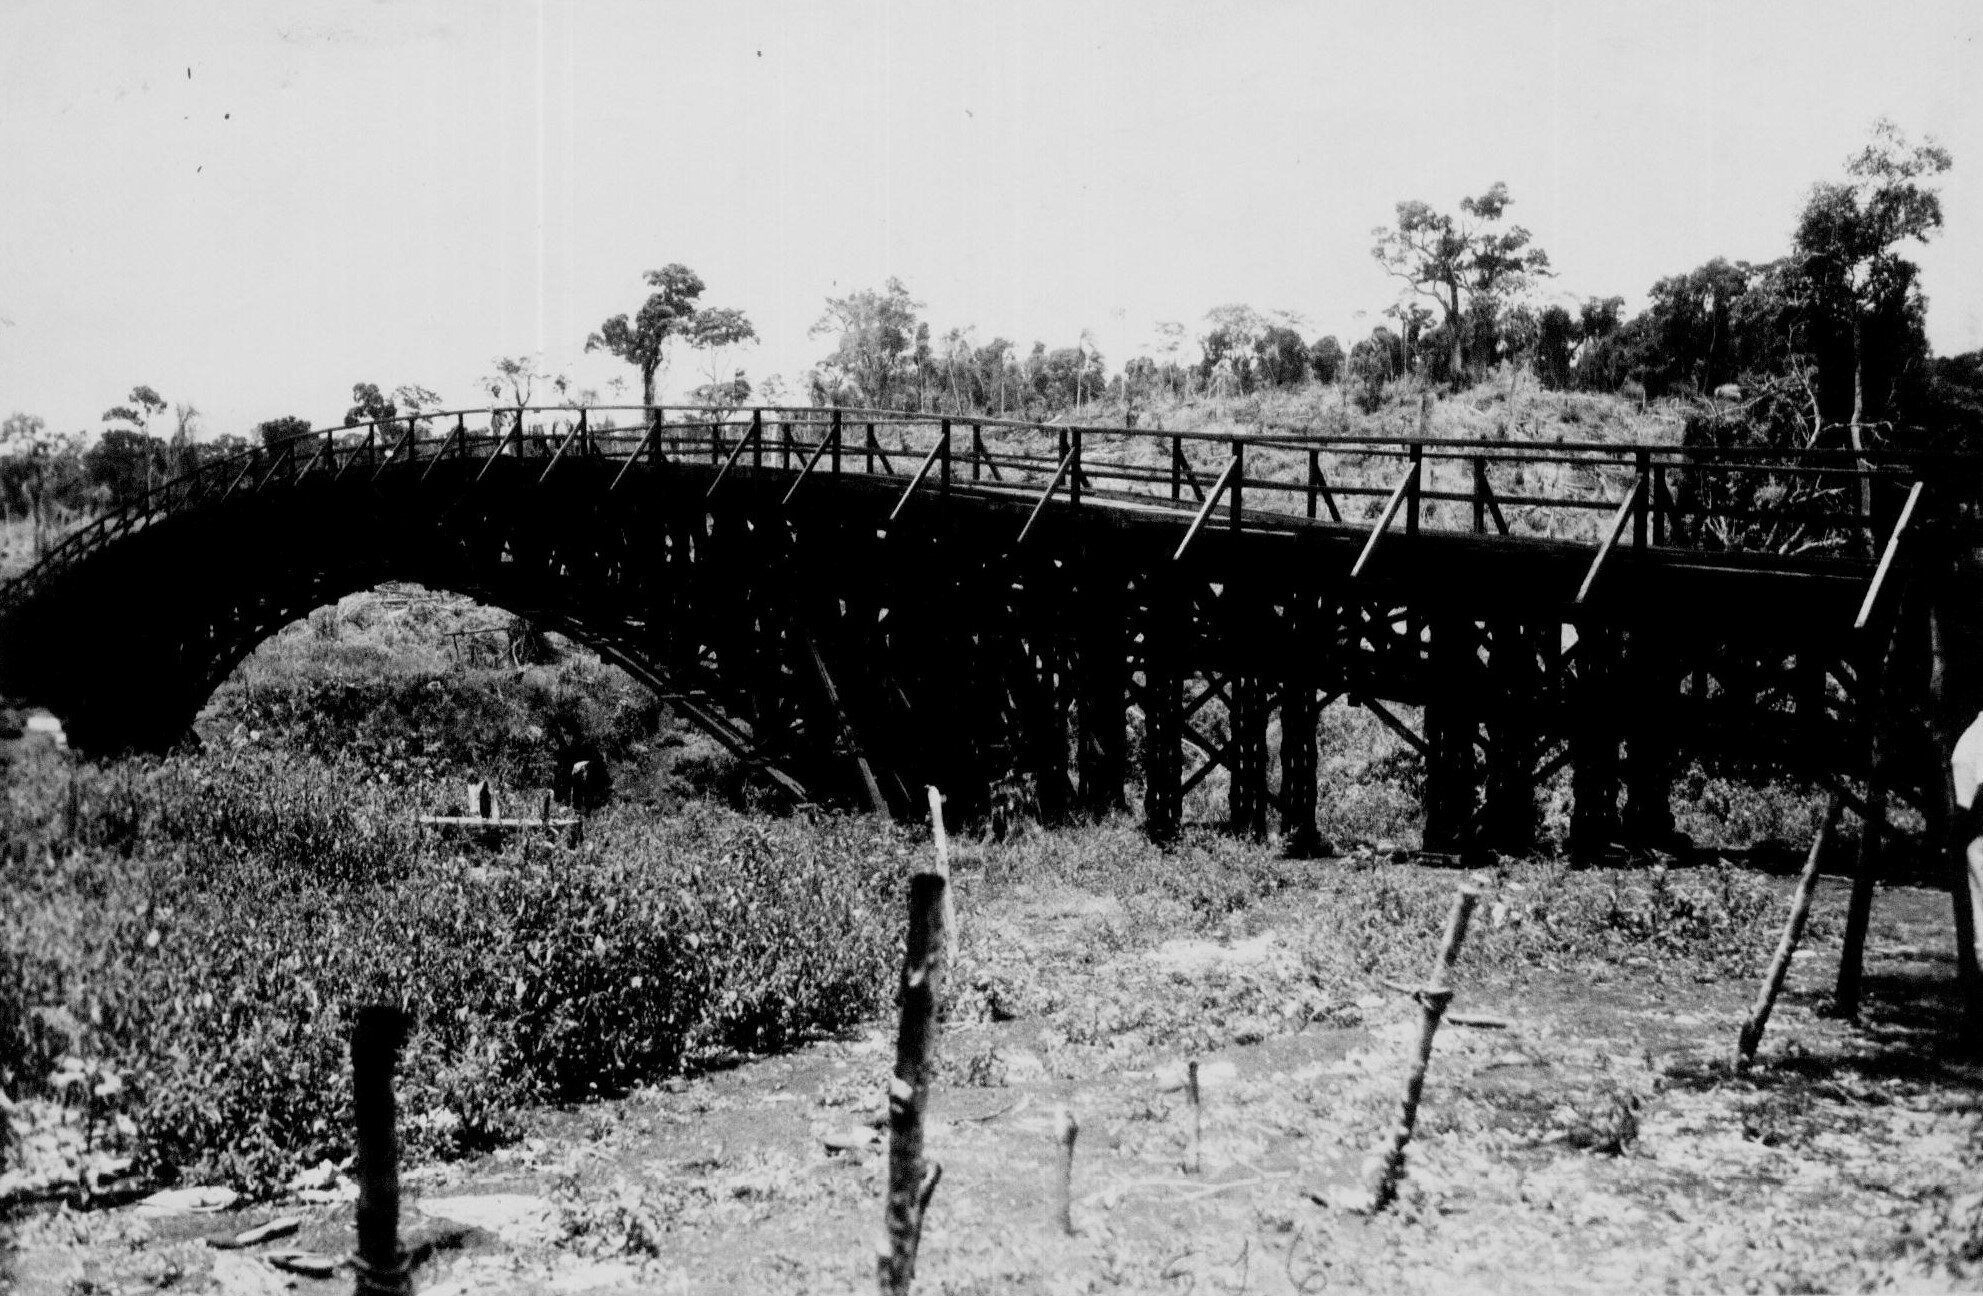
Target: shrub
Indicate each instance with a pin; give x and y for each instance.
(212, 923)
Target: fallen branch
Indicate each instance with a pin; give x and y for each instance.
(1388, 1166)
(1793, 931)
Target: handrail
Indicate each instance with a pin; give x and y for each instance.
(1708, 483)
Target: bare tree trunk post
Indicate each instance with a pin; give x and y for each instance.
(942, 837)
(910, 1181)
(1197, 1116)
(1066, 1130)
(1793, 932)
(375, 1043)
(1389, 1164)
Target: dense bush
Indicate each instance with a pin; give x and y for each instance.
(204, 928)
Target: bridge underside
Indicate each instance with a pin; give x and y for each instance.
(853, 656)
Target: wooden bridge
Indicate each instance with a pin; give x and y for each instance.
(857, 603)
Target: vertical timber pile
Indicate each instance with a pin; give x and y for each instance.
(1593, 744)
(1164, 624)
(1452, 692)
(1651, 701)
(1514, 724)
(1101, 610)
(1299, 650)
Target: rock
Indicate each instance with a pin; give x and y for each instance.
(854, 1139)
(188, 1201)
(516, 1218)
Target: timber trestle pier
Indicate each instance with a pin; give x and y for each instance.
(857, 603)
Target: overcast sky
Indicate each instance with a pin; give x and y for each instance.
(252, 205)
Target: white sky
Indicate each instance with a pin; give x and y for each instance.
(400, 192)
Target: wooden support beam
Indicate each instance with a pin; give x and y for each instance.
(1651, 700)
(1053, 484)
(754, 437)
(1247, 794)
(1163, 750)
(1866, 869)
(922, 472)
(1219, 488)
(1594, 737)
(1514, 722)
(1300, 837)
(1626, 512)
(1102, 688)
(1406, 488)
(1451, 723)
(1887, 556)
(831, 441)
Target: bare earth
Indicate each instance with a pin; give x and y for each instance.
(1597, 1142)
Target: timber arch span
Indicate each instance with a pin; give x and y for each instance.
(860, 602)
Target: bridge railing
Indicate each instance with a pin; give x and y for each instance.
(1821, 501)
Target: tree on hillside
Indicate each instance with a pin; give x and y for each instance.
(666, 314)
(415, 399)
(369, 405)
(1325, 359)
(874, 332)
(1455, 261)
(275, 431)
(714, 333)
(144, 405)
(1280, 356)
(1847, 246)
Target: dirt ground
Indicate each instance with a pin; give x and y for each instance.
(1595, 1140)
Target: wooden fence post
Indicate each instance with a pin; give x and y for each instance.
(911, 1182)
(1793, 931)
(375, 1043)
(1389, 1164)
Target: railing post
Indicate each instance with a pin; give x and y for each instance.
(1479, 495)
(870, 448)
(1658, 490)
(461, 434)
(785, 443)
(757, 438)
(945, 457)
(977, 451)
(585, 433)
(835, 434)
(1074, 471)
(1314, 477)
(1177, 469)
(1644, 465)
(1238, 484)
(372, 446)
(1417, 484)
(716, 441)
